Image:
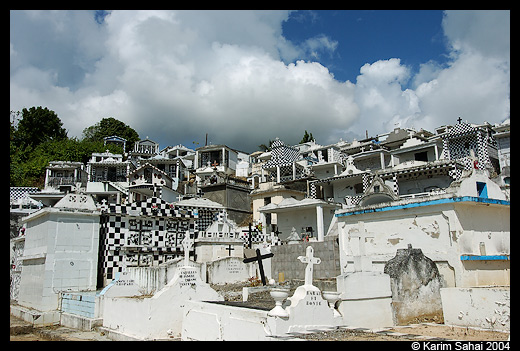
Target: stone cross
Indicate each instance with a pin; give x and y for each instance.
(187, 243)
(310, 260)
(362, 262)
(360, 237)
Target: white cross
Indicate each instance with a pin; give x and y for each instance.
(310, 260)
(187, 243)
(362, 261)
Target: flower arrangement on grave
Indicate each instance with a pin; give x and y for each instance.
(254, 281)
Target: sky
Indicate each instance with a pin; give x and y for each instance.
(247, 77)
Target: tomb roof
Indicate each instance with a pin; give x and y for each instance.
(290, 203)
(199, 202)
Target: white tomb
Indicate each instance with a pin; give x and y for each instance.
(229, 270)
(308, 309)
(60, 255)
(159, 316)
(366, 296)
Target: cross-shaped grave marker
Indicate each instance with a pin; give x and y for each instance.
(259, 258)
(187, 243)
(362, 261)
(311, 261)
(229, 248)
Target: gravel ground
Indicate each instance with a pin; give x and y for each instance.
(409, 333)
(24, 331)
(351, 335)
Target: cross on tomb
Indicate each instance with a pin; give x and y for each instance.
(361, 239)
(229, 248)
(311, 261)
(187, 243)
(362, 262)
(259, 258)
(459, 120)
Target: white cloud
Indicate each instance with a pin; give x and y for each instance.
(382, 102)
(176, 75)
(474, 84)
(485, 31)
(313, 47)
(473, 87)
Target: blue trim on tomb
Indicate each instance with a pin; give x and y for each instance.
(484, 258)
(426, 203)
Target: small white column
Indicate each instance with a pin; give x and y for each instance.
(48, 177)
(264, 223)
(278, 174)
(319, 221)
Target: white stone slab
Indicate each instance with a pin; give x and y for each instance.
(158, 316)
(366, 299)
(481, 307)
(229, 270)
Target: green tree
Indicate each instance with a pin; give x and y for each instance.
(37, 137)
(265, 147)
(307, 137)
(37, 125)
(109, 127)
(28, 167)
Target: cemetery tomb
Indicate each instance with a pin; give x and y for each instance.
(158, 316)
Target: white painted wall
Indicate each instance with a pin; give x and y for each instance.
(487, 308)
(212, 322)
(444, 232)
(61, 254)
(230, 270)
